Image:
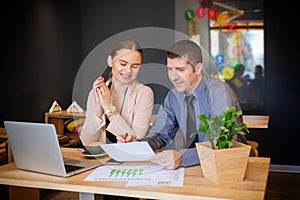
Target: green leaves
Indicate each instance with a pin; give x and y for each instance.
(220, 129)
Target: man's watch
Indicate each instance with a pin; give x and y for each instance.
(110, 111)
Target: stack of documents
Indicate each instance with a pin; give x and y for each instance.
(132, 151)
(139, 175)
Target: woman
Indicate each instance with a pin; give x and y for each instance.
(121, 105)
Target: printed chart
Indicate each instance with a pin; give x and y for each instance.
(145, 175)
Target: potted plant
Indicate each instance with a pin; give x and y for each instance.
(222, 159)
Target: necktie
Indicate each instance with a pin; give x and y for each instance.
(190, 122)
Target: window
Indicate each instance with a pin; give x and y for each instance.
(232, 31)
(238, 49)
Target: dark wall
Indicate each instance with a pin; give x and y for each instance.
(104, 19)
(44, 42)
(41, 52)
(281, 140)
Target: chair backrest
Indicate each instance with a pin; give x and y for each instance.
(160, 93)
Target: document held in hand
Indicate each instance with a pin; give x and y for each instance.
(132, 151)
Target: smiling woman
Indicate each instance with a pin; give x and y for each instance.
(120, 104)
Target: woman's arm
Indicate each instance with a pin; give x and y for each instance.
(136, 114)
(93, 129)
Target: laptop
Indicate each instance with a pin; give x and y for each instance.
(35, 147)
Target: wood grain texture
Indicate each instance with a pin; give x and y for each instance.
(223, 165)
(256, 121)
(195, 185)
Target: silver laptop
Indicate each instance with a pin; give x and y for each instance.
(35, 147)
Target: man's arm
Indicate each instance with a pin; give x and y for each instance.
(156, 142)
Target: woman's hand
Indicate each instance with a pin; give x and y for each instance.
(123, 138)
(104, 95)
(96, 94)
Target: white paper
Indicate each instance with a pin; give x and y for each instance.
(144, 175)
(161, 178)
(132, 151)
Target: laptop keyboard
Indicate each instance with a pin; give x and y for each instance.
(70, 168)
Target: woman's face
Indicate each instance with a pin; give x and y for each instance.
(125, 65)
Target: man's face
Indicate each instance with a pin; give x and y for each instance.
(182, 75)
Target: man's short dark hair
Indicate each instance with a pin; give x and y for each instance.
(186, 49)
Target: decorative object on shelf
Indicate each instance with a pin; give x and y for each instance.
(75, 108)
(55, 107)
(74, 125)
(223, 160)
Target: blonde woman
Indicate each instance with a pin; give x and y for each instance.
(120, 105)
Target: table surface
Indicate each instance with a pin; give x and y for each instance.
(195, 185)
(252, 121)
(256, 121)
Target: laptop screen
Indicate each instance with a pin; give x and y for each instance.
(35, 147)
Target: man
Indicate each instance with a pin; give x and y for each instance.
(209, 95)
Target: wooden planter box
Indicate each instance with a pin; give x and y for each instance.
(223, 165)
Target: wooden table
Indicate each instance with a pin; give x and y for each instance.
(57, 118)
(256, 121)
(195, 185)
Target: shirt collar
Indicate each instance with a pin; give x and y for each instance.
(200, 89)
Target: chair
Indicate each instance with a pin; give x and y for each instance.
(254, 146)
(255, 121)
(160, 93)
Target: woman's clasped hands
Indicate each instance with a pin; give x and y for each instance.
(102, 95)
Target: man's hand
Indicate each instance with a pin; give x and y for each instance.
(170, 159)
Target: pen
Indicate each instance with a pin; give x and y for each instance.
(126, 134)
